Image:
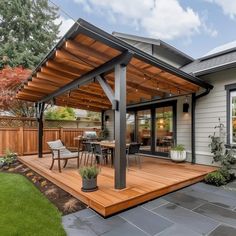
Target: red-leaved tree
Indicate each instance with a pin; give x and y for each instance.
(10, 81)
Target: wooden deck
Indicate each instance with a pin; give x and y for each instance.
(157, 177)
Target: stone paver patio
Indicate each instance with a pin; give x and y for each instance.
(199, 209)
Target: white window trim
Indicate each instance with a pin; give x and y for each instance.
(232, 94)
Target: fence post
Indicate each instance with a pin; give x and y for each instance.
(21, 141)
(61, 133)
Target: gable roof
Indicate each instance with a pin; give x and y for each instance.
(70, 73)
(156, 42)
(222, 60)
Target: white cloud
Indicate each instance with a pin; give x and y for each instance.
(65, 24)
(228, 6)
(159, 18)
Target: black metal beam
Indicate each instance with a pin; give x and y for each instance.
(120, 127)
(107, 90)
(123, 59)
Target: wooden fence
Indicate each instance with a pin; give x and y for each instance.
(24, 141)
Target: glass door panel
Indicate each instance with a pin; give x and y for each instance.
(130, 126)
(164, 138)
(144, 129)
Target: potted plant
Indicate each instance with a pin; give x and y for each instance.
(178, 153)
(89, 178)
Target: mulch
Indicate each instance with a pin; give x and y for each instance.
(65, 202)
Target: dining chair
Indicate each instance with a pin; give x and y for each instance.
(100, 153)
(87, 153)
(133, 151)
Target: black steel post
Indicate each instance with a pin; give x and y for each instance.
(102, 120)
(120, 127)
(193, 143)
(40, 110)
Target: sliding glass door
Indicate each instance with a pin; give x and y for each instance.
(164, 129)
(144, 129)
(154, 127)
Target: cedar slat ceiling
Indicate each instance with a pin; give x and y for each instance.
(82, 54)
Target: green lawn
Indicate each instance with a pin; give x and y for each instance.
(24, 210)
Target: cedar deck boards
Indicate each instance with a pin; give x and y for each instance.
(156, 177)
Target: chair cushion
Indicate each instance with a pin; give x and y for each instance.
(55, 144)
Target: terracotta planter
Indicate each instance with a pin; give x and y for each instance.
(178, 156)
(89, 185)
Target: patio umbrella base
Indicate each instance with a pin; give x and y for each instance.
(89, 190)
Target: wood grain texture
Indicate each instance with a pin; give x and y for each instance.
(156, 178)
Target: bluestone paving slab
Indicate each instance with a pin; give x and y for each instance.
(85, 231)
(68, 221)
(217, 213)
(184, 200)
(146, 220)
(125, 229)
(223, 230)
(189, 219)
(100, 225)
(229, 193)
(74, 226)
(222, 201)
(202, 187)
(178, 230)
(85, 213)
(154, 203)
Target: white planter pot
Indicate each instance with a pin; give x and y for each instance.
(178, 156)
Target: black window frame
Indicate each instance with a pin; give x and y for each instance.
(229, 88)
(152, 107)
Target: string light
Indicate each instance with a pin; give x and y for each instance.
(178, 91)
(170, 94)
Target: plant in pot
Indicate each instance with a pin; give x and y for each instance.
(178, 153)
(89, 178)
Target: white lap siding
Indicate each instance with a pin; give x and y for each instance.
(208, 110)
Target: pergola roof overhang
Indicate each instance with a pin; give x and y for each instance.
(79, 72)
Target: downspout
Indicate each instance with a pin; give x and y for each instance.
(193, 141)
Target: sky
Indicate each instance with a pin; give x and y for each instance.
(193, 26)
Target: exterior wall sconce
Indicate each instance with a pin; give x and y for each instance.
(107, 118)
(185, 107)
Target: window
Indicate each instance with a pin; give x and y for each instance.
(231, 113)
(233, 117)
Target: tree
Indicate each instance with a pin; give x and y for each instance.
(60, 113)
(10, 79)
(27, 31)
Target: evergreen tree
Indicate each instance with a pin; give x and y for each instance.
(27, 31)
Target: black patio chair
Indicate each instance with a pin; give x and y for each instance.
(133, 151)
(101, 154)
(87, 153)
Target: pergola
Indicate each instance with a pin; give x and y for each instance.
(93, 70)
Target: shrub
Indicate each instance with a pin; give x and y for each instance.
(9, 158)
(89, 172)
(215, 178)
(221, 154)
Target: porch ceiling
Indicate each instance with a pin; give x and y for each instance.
(85, 48)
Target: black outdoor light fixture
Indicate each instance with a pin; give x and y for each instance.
(107, 118)
(186, 105)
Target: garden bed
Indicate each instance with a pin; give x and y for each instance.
(65, 202)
